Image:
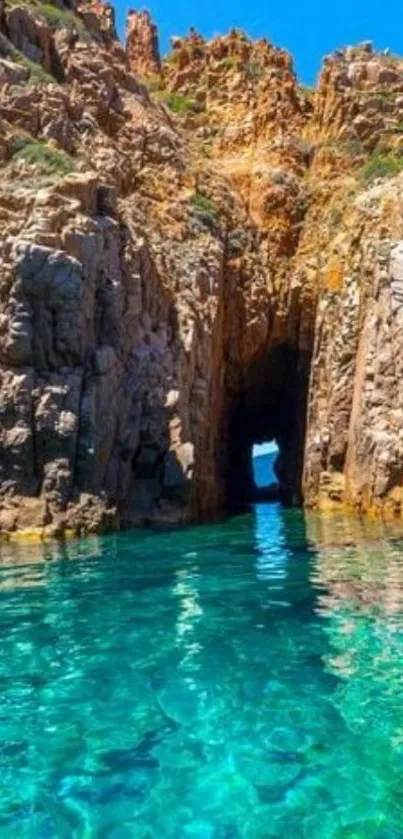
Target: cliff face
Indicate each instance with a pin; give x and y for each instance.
(196, 254)
(353, 236)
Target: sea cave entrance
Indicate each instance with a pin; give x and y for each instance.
(268, 406)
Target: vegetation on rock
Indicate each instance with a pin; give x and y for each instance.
(38, 153)
(37, 75)
(381, 166)
(205, 205)
(60, 18)
(54, 15)
(176, 102)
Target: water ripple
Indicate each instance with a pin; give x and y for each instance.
(242, 680)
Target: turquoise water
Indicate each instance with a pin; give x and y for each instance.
(236, 681)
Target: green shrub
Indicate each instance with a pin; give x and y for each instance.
(202, 202)
(381, 166)
(60, 18)
(385, 94)
(56, 17)
(178, 103)
(37, 75)
(204, 207)
(35, 152)
(226, 64)
(207, 149)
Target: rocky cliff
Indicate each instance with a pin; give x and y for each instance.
(197, 253)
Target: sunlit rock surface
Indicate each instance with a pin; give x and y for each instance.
(197, 254)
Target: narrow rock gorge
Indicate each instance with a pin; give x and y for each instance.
(197, 253)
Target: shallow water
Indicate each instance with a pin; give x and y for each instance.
(239, 680)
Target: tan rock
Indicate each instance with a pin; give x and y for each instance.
(8, 519)
(142, 45)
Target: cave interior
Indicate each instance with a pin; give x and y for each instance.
(268, 406)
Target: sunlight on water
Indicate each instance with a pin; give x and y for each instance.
(242, 679)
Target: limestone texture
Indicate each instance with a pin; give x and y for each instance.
(196, 254)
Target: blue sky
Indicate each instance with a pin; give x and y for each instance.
(308, 30)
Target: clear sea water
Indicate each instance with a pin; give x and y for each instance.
(263, 469)
(241, 680)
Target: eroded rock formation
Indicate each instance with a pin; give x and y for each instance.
(142, 46)
(196, 254)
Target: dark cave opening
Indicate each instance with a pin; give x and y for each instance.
(268, 406)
